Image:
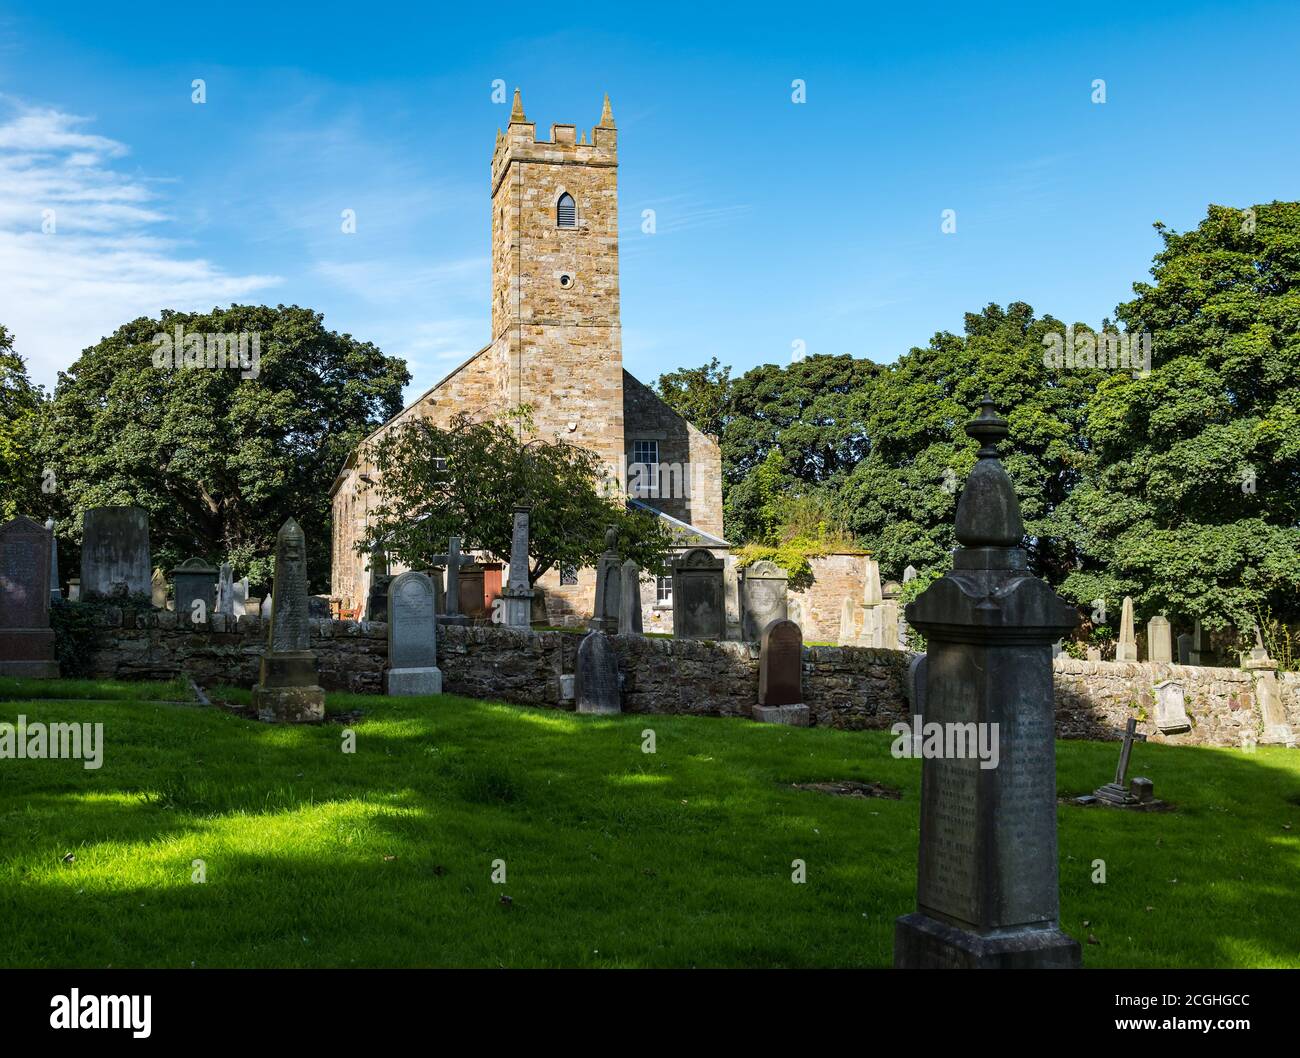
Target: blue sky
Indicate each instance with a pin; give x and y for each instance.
(776, 222)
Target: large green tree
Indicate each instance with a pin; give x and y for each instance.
(219, 457)
(465, 480)
(1192, 502)
(20, 408)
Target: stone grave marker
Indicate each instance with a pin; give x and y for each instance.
(194, 580)
(517, 598)
(55, 593)
(1185, 649)
(239, 598)
(226, 590)
(763, 587)
(1159, 642)
(699, 606)
(26, 641)
(987, 879)
(158, 590)
(115, 551)
(629, 600)
(605, 606)
(780, 675)
(595, 681)
(1171, 709)
(412, 637)
(1202, 653)
(1126, 648)
(288, 690)
(1116, 794)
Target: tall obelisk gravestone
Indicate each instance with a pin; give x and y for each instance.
(987, 892)
(289, 689)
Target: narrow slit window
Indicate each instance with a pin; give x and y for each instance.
(566, 213)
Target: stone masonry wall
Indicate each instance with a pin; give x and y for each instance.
(845, 687)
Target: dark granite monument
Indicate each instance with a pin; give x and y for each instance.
(762, 598)
(604, 612)
(412, 637)
(194, 580)
(699, 602)
(595, 681)
(115, 552)
(987, 883)
(26, 641)
(780, 676)
(289, 690)
(629, 600)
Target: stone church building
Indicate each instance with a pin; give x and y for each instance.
(555, 343)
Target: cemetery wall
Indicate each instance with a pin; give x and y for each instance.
(835, 577)
(845, 687)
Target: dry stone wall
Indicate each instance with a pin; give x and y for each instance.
(844, 687)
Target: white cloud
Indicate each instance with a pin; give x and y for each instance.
(80, 252)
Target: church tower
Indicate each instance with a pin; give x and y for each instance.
(556, 334)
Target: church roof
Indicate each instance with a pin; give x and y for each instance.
(685, 533)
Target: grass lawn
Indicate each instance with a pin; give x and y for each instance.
(614, 857)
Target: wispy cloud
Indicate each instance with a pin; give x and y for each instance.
(82, 242)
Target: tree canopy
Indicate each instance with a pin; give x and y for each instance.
(466, 479)
(219, 457)
(20, 407)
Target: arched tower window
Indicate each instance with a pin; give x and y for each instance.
(566, 213)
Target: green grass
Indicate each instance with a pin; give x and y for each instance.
(614, 857)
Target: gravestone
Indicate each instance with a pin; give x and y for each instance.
(1058, 648)
(55, 593)
(595, 681)
(987, 876)
(1159, 643)
(1277, 728)
(517, 597)
(1126, 648)
(890, 618)
(115, 551)
(848, 625)
(239, 598)
(731, 575)
(916, 670)
(629, 600)
(74, 589)
(1171, 708)
(699, 607)
(780, 675)
(288, 690)
(763, 598)
(450, 613)
(1116, 794)
(226, 590)
(265, 610)
(473, 603)
(158, 590)
(26, 640)
(1185, 649)
(194, 580)
(412, 637)
(909, 574)
(1201, 653)
(605, 607)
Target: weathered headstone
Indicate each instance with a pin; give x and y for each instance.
(848, 626)
(412, 637)
(115, 551)
(1185, 649)
(731, 593)
(780, 675)
(916, 670)
(74, 589)
(1159, 642)
(288, 690)
(1277, 728)
(1171, 708)
(1126, 648)
(629, 600)
(699, 608)
(517, 597)
(158, 590)
(26, 640)
(194, 581)
(909, 574)
(595, 681)
(1202, 653)
(239, 599)
(1117, 793)
(763, 598)
(265, 610)
(450, 612)
(605, 607)
(473, 601)
(226, 590)
(55, 593)
(987, 879)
